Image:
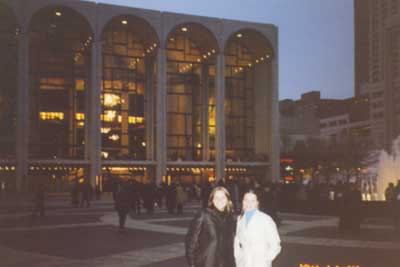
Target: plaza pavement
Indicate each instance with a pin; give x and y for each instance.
(89, 237)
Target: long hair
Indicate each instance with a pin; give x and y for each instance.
(229, 205)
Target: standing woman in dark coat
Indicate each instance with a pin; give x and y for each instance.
(209, 241)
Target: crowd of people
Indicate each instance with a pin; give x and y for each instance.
(81, 193)
(144, 197)
(214, 228)
(135, 197)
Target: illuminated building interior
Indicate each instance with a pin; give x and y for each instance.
(8, 87)
(59, 64)
(191, 99)
(245, 52)
(129, 49)
(130, 93)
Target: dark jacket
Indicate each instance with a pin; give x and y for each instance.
(123, 201)
(209, 241)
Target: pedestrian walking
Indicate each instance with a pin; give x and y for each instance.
(38, 201)
(180, 198)
(123, 203)
(86, 193)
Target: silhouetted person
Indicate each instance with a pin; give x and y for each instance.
(75, 193)
(149, 196)
(180, 198)
(205, 193)
(98, 192)
(122, 205)
(268, 203)
(350, 217)
(38, 200)
(136, 189)
(171, 198)
(86, 193)
(233, 190)
(396, 207)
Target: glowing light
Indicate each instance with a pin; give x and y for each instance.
(114, 137)
(79, 116)
(239, 35)
(124, 22)
(144, 144)
(105, 130)
(289, 168)
(58, 13)
(135, 120)
(51, 116)
(109, 115)
(111, 100)
(184, 29)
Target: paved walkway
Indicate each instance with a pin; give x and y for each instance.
(71, 237)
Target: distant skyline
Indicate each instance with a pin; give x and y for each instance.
(316, 38)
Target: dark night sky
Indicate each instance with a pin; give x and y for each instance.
(316, 37)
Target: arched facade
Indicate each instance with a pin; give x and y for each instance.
(191, 59)
(248, 79)
(59, 64)
(143, 95)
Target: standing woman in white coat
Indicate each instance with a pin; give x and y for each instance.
(257, 241)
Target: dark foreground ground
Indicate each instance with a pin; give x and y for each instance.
(72, 237)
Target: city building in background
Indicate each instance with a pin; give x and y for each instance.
(314, 117)
(95, 91)
(312, 121)
(377, 65)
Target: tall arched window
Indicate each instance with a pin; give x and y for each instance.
(129, 49)
(191, 55)
(247, 84)
(59, 65)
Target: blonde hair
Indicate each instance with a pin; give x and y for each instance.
(229, 205)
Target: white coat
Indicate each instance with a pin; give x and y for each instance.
(257, 243)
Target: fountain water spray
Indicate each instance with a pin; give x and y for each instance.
(388, 168)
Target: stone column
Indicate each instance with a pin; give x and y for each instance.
(220, 118)
(93, 143)
(149, 108)
(204, 121)
(161, 115)
(22, 128)
(274, 122)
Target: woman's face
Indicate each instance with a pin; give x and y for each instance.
(220, 200)
(250, 202)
